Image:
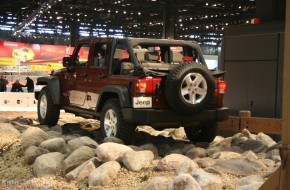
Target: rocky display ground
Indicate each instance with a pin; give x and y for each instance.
(71, 155)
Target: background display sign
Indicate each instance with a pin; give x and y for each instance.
(34, 57)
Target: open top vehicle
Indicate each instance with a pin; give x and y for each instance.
(128, 82)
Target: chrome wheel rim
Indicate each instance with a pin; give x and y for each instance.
(110, 123)
(43, 106)
(193, 88)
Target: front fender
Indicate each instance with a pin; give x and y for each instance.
(53, 85)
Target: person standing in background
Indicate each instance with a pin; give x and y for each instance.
(29, 84)
(3, 84)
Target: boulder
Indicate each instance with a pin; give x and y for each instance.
(32, 136)
(187, 147)
(158, 183)
(83, 170)
(113, 140)
(250, 180)
(184, 182)
(77, 157)
(204, 178)
(226, 155)
(254, 145)
(265, 139)
(136, 160)
(54, 145)
(171, 162)
(250, 155)
(54, 134)
(205, 162)
(81, 141)
(32, 152)
(196, 152)
(111, 151)
(186, 167)
(151, 147)
(273, 155)
(104, 174)
(7, 129)
(48, 164)
(239, 167)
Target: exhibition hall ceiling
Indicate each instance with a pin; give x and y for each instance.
(200, 20)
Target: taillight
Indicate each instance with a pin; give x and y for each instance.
(222, 86)
(141, 86)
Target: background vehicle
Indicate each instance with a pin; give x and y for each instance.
(23, 54)
(161, 83)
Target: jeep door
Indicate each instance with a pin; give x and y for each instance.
(97, 73)
(75, 79)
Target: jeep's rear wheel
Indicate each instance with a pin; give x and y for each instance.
(48, 113)
(189, 88)
(203, 132)
(113, 124)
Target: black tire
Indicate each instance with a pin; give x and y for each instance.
(197, 84)
(116, 123)
(204, 132)
(47, 111)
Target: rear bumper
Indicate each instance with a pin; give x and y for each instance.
(151, 116)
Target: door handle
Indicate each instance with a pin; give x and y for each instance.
(83, 74)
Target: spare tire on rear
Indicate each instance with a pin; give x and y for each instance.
(189, 88)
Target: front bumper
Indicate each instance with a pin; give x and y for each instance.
(152, 116)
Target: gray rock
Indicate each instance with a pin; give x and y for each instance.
(196, 153)
(54, 134)
(81, 141)
(83, 170)
(205, 162)
(104, 174)
(239, 141)
(186, 167)
(254, 145)
(213, 150)
(268, 162)
(111, 151)
(32, 152)
(158, 183)
(78, 156)
(48, 164)
(227, 142)
(239, 167)
(54, 145)
(8, 130)
(136, 161)
(33, 136)
(273, 155)
(171, 162)
(204, 178)
(56, 128)
(246, 133)
(69, 137)
(187, 147)
(250, 179)
(184, 182)
(151, 147)
(250, 155)
(226, 155)
(217, 140)
(113, 140)
(265, 139)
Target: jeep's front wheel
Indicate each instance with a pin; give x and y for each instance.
(113, 123)
(203, 132)
(47, 111)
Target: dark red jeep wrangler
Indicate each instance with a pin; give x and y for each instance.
(127, 82)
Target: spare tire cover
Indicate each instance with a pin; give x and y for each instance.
(189, 88)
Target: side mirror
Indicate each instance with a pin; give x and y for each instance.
(66, 61)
